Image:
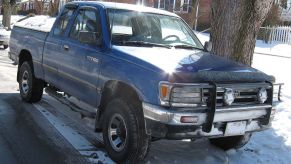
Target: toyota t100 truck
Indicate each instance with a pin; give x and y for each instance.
(146, 74)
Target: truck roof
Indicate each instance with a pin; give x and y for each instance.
(140, 8)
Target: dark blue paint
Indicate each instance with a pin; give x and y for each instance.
(140, 67)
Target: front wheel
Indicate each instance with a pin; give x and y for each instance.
(31, 89)
(232, 142)
(124, 132)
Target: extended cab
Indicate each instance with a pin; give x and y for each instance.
(146, 73)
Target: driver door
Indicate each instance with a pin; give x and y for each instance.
(82, 54)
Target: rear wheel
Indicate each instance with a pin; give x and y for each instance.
(232, 142)
(31, 89)
(5, 46)
(124, 132)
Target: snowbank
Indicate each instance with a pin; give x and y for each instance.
(203, 37)
(41, 22)
(275, 48)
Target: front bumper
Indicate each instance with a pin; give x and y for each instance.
(166, 123)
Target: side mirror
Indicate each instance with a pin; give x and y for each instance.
(89, 37)
(208, 46)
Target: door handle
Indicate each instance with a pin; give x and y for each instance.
(66, 47)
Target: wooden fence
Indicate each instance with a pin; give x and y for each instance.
(279, 34)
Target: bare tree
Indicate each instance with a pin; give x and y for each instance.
(54, 7)
(40, 5)
(235, 25)
(7, 7)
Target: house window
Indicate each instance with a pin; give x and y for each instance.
(161, 4)
(185, 6)
(181, 6)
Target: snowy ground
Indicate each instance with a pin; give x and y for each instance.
(274, 49)
(271, 146)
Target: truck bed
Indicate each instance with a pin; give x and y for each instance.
(33, 29)
(23, 38)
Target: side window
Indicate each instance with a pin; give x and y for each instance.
(63, 21)
(86, 28)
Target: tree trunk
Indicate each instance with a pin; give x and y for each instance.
(235, 25)
(6, 20)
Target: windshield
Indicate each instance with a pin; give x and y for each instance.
(152, 29)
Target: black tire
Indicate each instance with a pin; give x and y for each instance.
(136, 142)
(31, 89)
(5, 46)
(232, 142)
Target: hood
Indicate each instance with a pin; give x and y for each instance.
(195, 65)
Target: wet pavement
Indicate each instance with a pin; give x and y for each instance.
(22, 140)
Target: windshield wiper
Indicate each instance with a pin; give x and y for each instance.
(185, 46)
(142, 43)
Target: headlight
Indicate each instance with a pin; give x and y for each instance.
(262, 95)
(228, 96)
(181, 95)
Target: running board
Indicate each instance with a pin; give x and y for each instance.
(61, 98)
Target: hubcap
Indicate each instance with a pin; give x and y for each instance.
(117, 132)
(24, 82)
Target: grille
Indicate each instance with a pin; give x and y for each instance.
(199, 95)
(244, 95)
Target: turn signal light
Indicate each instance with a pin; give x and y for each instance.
(164, 91)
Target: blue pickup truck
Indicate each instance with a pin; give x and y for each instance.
(146, 74)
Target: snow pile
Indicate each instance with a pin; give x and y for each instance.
(203, 37)
(40, 22)
(275, 48)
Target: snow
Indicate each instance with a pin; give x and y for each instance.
(275, 48)
(14, 18)
(203, 37)
(40, 22)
